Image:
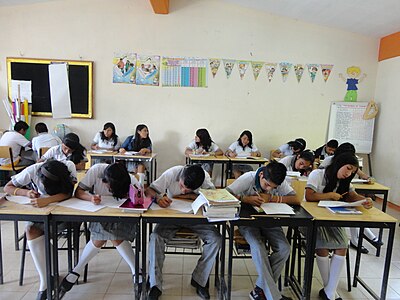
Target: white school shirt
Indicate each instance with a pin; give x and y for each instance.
(44, 139)
(169, 182)
(245, 185)
(288, 162)
(55, 153)
(106, 144)
(235, 147)
(326, 162)
(316, 181)
(286, 150)
(30, 174)
(94, 179)
(213, 148)
(16, 141)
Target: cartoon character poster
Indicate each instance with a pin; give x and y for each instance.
(312, 70)
(214, 66)
(354, 77)
(298, 70)
(148, 70)
(228, 66)
(124, 70)
(242, 66)
(326, 71)
(257, 67)
(270, 68)
(285, 69)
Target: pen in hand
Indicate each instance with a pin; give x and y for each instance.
(35, 190)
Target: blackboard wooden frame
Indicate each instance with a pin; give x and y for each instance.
(80, 74)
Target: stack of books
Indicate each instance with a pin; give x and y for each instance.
(219, 204)
(186, 239)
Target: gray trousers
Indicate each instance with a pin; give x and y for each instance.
(269, 267)
(163, 233)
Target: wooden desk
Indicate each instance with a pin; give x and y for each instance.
(221, 159)
(93, 154)
(114, 215)
(245, 161)
(17, 212)
(151, 158)
(370, 218)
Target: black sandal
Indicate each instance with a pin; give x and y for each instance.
(65, 285)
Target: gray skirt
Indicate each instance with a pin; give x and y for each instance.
(103, 231)
(331, 238)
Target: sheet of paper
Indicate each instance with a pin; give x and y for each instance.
(59, 91)
(110, 201)
(19, 199)
(79, 204)
(177, 204)
(358, 180)
(25, 89)
(277, 209)
(293, 173)
(199, 202)
(331, 203)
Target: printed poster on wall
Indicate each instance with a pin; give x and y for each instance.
(326, 71)
(242, 66)
(184, 72)
(124, 70)
(285, 69)
(298, 70)
(214, 66)
(148, 70)
(228, 66)
(312, 70)
(257, 67)
(270, 68)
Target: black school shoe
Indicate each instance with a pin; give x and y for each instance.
(42, 295)
(286, 298)
(377, 244)
(202, 291)
(363, 249)
(155, 293)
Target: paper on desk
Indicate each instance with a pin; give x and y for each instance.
(100, 151)
(176, 204)
(293, 173)
(200, 155)
(131, 153)
(330, 203)
(79, 204)
(19, 199)
(277, 209)
(199, 202)
(110, 201)
(359, 180)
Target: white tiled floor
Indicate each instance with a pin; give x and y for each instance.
(109, 276)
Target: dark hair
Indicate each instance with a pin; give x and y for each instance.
(345, 147)
(250, 137)
(332, 144)
(298, 144)
(56, 178)
(140, 143)
(307, 155)
(71, 140)
(117, 176)
(21, 125)
(339, 161)
(41, 127)
(205, 139)
(275, 172)
(113, 137)
(193, 176)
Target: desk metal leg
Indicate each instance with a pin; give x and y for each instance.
(309, 260)
(48, 259)
(1, 259)
(388, 261)
(222, 175)
(137, 269)
(384, 205)
(144, 260)
(230, 261)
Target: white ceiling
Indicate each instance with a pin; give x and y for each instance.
(374, 18)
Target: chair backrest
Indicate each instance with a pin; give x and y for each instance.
(43, 150)
(299, 187)
(229, 181)
(6, 152)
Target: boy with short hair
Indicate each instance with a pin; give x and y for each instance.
(267, 184)
(182, 182)
(326, 150)
(43, 138)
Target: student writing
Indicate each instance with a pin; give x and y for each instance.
(290, 148)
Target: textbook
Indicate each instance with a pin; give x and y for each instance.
(128, 206)
(344, 210)
(218, 197)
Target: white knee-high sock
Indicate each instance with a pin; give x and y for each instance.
(39, 258)
(88, 253)
(125, 250)
(142, 177)
(323, 266)
(337, 263)
(368, 232)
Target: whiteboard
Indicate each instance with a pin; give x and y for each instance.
(346, 124)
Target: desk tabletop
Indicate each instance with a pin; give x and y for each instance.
(219, 158)
(105, 154)
(170, 213)
(251, 159)
(105, 212)
(128, 156)
(372, 187)
(368, 215)
(11, 208)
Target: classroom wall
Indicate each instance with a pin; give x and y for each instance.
(275, 112)
(386, 140)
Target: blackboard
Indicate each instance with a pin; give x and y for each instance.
(80, 75)
(346, 124)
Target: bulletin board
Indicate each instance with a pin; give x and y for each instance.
(346, 124)
(80, 76)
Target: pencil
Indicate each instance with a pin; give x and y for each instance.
(343, 194)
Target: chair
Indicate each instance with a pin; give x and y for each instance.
(6, 152)
(43, 150)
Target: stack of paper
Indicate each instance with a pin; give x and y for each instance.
(185, 239)
(182, 206)
(277, 209)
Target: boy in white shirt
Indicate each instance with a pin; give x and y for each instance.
(43, 138)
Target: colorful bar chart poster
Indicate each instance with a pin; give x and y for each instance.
(184, 72)
(148, 70)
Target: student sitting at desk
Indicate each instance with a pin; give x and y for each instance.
(292, 147)
(70, 149)
(182, 182)
(43, 138)
(326, 150)
(243, 147)
(354, 232)
(104, 180)
(16, 140)
(333, 183)
(267, 184)
(106, 139)
(55, 181)
(203, 145)
(139, 142)
(302, 162)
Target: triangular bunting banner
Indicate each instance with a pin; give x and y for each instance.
(270, 68)
(285, 69)
(257, 67)
(326, 71)
(312, 70)
(299, 70)
(242, 66)
(228, 66)
(214, 65)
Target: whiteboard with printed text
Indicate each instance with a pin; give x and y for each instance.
(346, 124)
